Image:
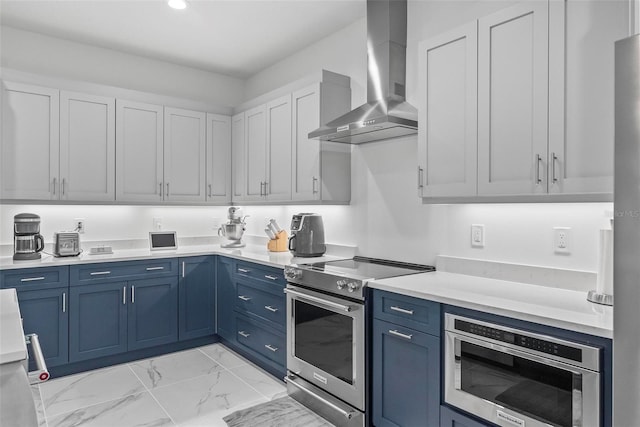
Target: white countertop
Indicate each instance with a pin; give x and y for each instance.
(251, 252)
(12, 345)
(561, 308)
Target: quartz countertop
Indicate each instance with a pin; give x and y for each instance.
(251, 252)
(12, 344)
(562, 308)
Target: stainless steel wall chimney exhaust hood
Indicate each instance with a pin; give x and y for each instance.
(386, 114)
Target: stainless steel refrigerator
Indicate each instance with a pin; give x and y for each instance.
(626, 318)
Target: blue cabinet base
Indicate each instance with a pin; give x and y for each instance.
(102, 362)
(273, 368)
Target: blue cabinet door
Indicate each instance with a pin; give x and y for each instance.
(406, 376)
(98, 320)
(44, 312)
(152, 312)
(226, 295)
(196, 297)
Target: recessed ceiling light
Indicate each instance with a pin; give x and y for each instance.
(178, 4)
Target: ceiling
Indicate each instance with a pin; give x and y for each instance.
(232, 37)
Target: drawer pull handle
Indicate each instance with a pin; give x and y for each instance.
(64, 302)
(154, 268)
(100, 273)
(244, 334)
(267, 276)
(244, 298)
(243, 270)
(269, 347)
(271, 309)
(31, 279)
(401, 310)
(400, 334)
(124, 295)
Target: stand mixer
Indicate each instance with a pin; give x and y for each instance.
(234, 229)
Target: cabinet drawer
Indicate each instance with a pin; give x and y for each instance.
(260, 272)
(264, 305)
(268, 344)
(412, 312)
(89, 273)
(35, 278)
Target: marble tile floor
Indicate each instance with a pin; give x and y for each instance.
(196, 387)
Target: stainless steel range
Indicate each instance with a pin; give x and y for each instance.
(326, 330)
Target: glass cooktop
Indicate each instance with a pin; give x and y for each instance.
(369, 268)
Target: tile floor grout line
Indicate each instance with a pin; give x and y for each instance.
(152, 395)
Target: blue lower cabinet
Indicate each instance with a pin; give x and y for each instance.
(196, 297)
(152, 312)
(225, 299)
(45, 312)
(406, 376)
(451, 418)
(98, 320)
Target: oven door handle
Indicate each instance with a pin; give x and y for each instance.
(319, 301)
(289, 379)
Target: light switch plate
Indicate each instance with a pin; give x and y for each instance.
(477, 235)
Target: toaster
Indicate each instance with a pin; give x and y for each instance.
(66, 243)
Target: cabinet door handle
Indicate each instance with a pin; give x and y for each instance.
(99, 273)
(32, 279)
(160, 192)
(266, 186)
(244, 334)
(271, 309)
(64, 184)
(400, 334)
(401, 310)
(209, 190)
(124, 295)
(554, 160)
(314, 183)
(270, 277)
(270, 347)
(420, 177)
(183, 269)
(243, 270)
(133, 294)
(167, 189)
(538, 161)
(55, 183)
(244, 298)
(64, 302)
(154, 268)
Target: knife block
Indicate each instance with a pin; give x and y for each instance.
(280, 243)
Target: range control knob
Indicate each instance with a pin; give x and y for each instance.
(341, 283)
(353, 286)
(292, 273)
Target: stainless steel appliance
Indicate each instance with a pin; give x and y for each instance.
(626, 240)
(326, 330)
(386, 113)
(234, 229)
(512, 377)
(66, 243)
(27, 240)
(307, 235)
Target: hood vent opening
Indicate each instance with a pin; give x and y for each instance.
(386, 113)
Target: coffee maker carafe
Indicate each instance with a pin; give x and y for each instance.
(27, 240)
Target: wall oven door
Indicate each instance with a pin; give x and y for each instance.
(509, 386)
(325, 343)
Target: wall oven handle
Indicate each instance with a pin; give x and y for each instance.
(41, 374)
(291, 380)
(317, 300)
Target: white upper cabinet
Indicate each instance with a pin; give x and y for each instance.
(256, 150)
(513, 99)
(238, 157)
(29, 153)
(218, 158)
(581, 67)
(139, 152)
(185, 162)
(447, 135)
(278, 154)
(87, 147)
(321, 171)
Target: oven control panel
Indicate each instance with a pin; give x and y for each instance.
(520, 340)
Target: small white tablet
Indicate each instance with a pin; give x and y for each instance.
(161, 240)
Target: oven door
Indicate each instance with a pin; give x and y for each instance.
(325, 343)
(510, 387)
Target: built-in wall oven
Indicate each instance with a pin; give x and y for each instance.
(513, 377)
(326, 334)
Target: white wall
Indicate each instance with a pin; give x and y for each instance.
(50, 56)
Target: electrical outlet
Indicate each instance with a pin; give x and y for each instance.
(562, 240)
(79, 225)
(477, 235)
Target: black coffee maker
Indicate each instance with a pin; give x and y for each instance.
(27, 240)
